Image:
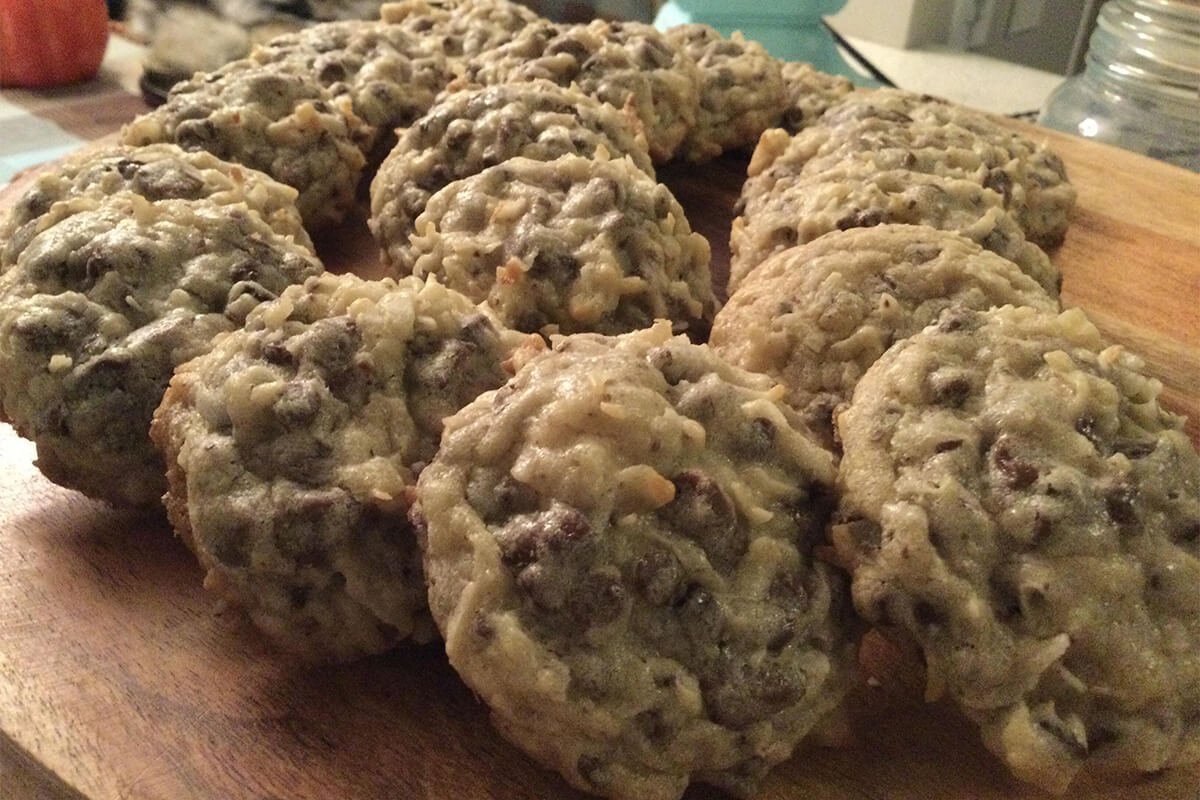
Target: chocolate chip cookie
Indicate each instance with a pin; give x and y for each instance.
(156, 172)
(741, 90)
(284, 123)
(629, 65)
(293, 448)
(619, 545)
(809, 93)
(389, 75)
(99, 310)
(460, 29)
(570, 245)
(1017, 503)
(890, 129)
(856, 194)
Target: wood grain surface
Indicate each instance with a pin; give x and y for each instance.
(120, 678)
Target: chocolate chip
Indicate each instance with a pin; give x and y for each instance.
(545, 586)
(231, 545)
(652, 725)
(1004, 599)
(787, 589)
(701, 616)
(927, 615)
(527, 538)
(949, 387)
(744, 694)
(1119, 503)
(330, 72)
(1015, 471)
(298, 596)
(956, 319)
(1086, 427)
(782, 637)
(653, 53)
(165, 180)
(785, 236)
(757, 438)
(570, 46)
(1000, 182)
(919, 253)
(997, 241)
(330, 345)
(663, 360)
(128, 167)
(657, 577)
(596, 600)
(298, 404)
(1188, 532)
(589, 767)
(200, 135)
(560, 269)
(702, 512)
(50, 331)
(274, 352)
(1135, 449)
(868, 218)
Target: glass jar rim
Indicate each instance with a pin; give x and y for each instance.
(1155, 42)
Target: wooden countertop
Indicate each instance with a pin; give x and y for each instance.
(119, 678)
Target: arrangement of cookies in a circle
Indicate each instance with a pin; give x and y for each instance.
(651, 550)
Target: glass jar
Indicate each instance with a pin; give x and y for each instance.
(1140, 88)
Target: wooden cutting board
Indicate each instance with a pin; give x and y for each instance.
(119, 678)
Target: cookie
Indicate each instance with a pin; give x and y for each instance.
(741, 90)
(629, 65)
(619, 548)
(293, 447)
(156, 172)
(390, 76)
(855, 194)
(809, 93)
(99, 310)
(815, 317)
(460, 29)
(478, 127)
(890, 129)
(570, 245)
(1015, 501)
(283, 123)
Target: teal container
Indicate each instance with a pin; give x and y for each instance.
(790, 29)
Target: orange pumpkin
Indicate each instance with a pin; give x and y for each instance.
(51, 42)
